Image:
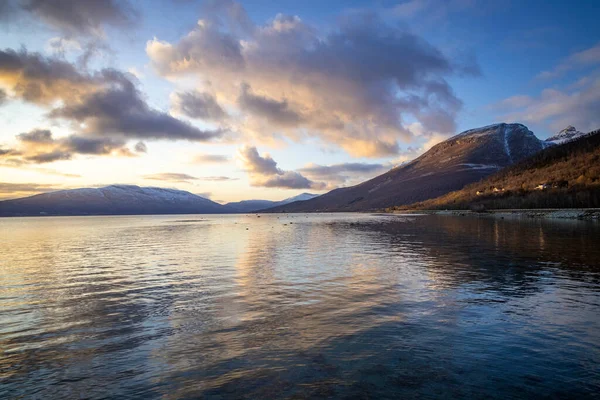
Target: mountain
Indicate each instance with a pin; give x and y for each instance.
(562, 176)
(246, 206)
(448, 166)
(566, 135)
(111, 200)
(300, 197)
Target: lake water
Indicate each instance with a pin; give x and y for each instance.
(299, 306)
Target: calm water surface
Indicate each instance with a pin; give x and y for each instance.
(299, 306)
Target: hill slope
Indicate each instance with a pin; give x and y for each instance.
(448, 166)
(564, 176)
(246, 206)
(111, 200)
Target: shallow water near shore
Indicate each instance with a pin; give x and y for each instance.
(299, 306)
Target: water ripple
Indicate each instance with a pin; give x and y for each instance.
(299, 306)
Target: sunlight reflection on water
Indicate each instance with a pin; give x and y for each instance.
(296, 306)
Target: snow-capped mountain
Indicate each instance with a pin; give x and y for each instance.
(566, 135)
(130, 200)
(300, 197)
(245, 206)
(448, 166)
(113, 199)
(554, 175)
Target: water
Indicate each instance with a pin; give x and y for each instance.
(299, 306)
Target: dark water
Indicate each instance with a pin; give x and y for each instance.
(327, 306)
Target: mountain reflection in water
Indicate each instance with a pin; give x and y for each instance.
(298, 306)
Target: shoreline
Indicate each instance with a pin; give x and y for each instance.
(589, 214)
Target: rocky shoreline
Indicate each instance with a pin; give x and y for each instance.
(563, 213)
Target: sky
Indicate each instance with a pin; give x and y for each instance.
(237, 100)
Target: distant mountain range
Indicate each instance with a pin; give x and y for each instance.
(564, 176)
(448, 166)
(246, 206)
(127, 200)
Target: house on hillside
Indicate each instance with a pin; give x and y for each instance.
(542, 186)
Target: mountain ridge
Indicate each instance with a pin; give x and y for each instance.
(448, 166)
(568, 134)
(111, 200)
(566, 175)
(120, 199)
(254, 205)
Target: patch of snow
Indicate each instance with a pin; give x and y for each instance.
(480, 166)
(490, 130)
(507, 131)
(485, 130)
(566, 135)
(300, 197)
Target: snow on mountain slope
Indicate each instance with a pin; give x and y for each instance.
(300, 197)
(566, 135)
(245, 206)
(113, 199)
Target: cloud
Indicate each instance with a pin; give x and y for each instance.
(41, 80)
(9, 190)
(136, 72)
(76, 17)
(581, 59)
(210, 158)
(140, 147)
(263, 172)
(576, 105)
(179, 177)
(289, 180)
(255, 164)
(344, 173)
(217, 178)
(4, 152)
(325, 170)
(204, 48)
(49, 171)
(61, 45)
(276, 112)
(170, 176)
(104, 103)
(39, 146)
(513, 102)
(3, 96)
(352, 84)
(121, 111)
(197, 105)
(229, 13)
(93, 49)
(85, 50)
(7, 10)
